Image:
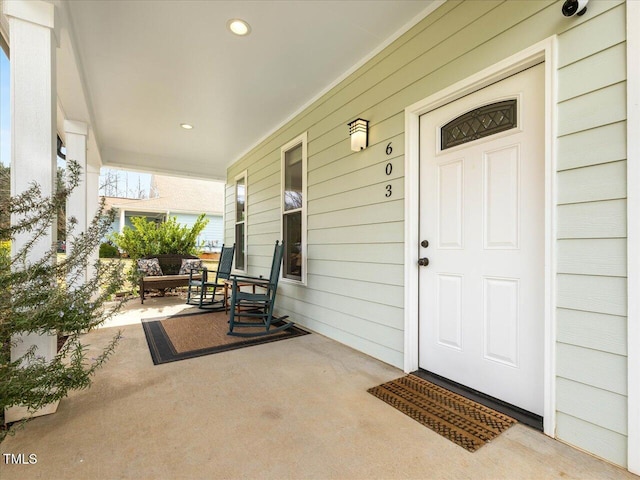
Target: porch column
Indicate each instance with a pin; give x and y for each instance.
(122, 219)
(78, 201)
(93, 200)
(33, 132)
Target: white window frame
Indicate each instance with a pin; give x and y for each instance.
(299, 140)
(241, 176)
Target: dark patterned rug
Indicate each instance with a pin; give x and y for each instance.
(202, 333)
(463, 421)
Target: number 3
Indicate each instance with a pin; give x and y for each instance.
(388, 194)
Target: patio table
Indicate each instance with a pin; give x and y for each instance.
(228, 285)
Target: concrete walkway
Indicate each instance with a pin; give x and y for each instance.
(296, 408)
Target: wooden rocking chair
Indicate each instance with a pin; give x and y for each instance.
(202, 292)
(257, 305)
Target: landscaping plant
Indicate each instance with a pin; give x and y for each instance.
(150, 238)
(108, 251)
(49, 296)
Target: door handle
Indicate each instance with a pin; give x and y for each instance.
(423, 262)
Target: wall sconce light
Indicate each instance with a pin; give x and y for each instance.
(359, 132)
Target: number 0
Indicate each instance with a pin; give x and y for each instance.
(388, 169)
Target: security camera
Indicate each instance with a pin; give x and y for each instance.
(574, 7)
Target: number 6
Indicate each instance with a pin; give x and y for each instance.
(389, 149)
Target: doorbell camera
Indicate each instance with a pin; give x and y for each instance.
(574, 7)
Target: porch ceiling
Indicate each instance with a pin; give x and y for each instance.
(148, 66)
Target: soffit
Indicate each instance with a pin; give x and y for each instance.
(147, 66)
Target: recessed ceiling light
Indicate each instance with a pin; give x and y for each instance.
(238, 27)
(186, 126)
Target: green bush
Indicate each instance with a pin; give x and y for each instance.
(108, 251)
(150, 238)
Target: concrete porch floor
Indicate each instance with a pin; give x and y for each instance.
(297, 408)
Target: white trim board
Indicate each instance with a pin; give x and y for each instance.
(633, 237)
(542, 51)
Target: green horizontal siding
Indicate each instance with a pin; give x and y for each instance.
(355, 290)
(591, 318)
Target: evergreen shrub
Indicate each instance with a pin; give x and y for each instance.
(47, 295)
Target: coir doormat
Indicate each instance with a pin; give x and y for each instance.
(190, 335)
(463, 421)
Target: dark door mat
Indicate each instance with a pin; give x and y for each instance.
(519, 414)
(463, 421)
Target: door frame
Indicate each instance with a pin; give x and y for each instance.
(539, 52)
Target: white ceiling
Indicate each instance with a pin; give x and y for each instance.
(147, 66)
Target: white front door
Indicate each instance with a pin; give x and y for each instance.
(481, 300)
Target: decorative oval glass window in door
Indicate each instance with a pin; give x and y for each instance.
(479, 123)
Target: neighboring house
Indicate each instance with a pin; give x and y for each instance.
(497, 150)
(183, 198)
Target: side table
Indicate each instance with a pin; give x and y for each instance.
(228, 285)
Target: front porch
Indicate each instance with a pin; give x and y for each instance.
(297, 408)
